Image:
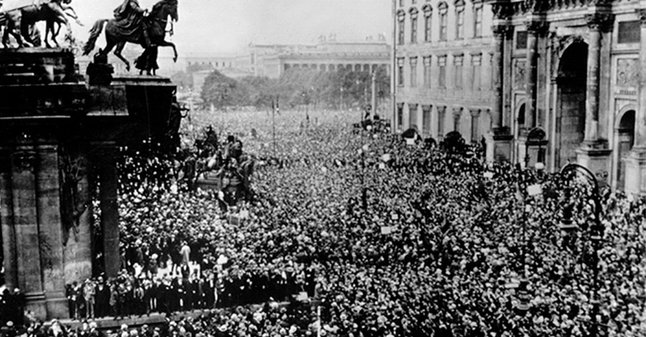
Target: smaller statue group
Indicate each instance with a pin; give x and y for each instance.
(130, 24)
(18, 19)
(226, 162)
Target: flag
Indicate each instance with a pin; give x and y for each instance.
(535, 189)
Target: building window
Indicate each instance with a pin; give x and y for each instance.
(477, 21)
(427, 23)
(476, 71)
(413, 25)
(442, 72)
(400, 115)
(521, 40)
(401, 30)
(413, 72)
(400, 71)
(412, 116)
(458, 62)
(427, 71)
(441, 115)
(459, 20)
(443, 8)
(426, 120)
(628, 32)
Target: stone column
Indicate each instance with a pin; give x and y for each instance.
(475, 116)
(28, 241)
(497, 73)
(535, 28)
(596, 24)
(499, 138)
(107, 171)
(635, 181)
(640, 118)
(457, 114)
(594, 152)
(441, 115)
(6, 220)
(51, 230)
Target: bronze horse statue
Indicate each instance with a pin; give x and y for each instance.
(19, 22)
(154, 24)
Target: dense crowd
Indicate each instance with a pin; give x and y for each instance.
(366, 236)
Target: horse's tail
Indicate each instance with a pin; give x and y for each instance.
(94, 34)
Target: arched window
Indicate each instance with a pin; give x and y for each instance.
(413, 25)
(428, 13)
(459, 19)
(443, 9)
(401, 18)
(477, 20)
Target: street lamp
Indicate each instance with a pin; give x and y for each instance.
(596, 230)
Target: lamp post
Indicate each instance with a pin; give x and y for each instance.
(596, 231)
(523, 286)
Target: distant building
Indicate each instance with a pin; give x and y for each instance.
(327, 55)
(443, 67)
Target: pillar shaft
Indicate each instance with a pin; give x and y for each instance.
(6, 220)
(640, 118)
(597, 23)
(534, 28)
(592, 85)
(28, 241)
(109, 210)
(50, 229)
(497, 73)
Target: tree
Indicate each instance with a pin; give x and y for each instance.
(221, 91)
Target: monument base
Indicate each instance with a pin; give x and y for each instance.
(635, 181)
(499, 143)
(596, 157)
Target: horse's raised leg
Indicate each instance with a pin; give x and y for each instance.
(49, 28)
(169, 44)
(118, 51)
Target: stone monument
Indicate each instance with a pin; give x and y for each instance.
(59, 135)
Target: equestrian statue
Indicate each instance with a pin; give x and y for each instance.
(131, 24)
(18, 17)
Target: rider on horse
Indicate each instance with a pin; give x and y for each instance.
(130, 20)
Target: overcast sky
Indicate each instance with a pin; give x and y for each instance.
(227, 26)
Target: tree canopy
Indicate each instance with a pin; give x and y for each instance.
(296, 86)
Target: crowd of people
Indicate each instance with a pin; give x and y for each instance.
(360, 234)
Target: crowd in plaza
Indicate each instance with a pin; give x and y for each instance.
(359, 234)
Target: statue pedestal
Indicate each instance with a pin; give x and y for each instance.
(596, 157)
(100, 71)
(48, 119)
(635, 181)
(499, 144)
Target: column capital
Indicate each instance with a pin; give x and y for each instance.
(502, 10)
(641, 13)
(457, 111)
(475, 112)
(537, 26)
(502, 29)
(601, 21)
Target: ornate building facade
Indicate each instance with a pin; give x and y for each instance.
(567, 86)
(443, 63)
(571, 69)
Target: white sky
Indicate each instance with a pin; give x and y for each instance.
(227, 26)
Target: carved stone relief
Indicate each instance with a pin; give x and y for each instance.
(519, 74)
(627, 75)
